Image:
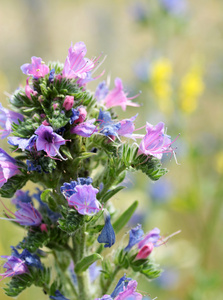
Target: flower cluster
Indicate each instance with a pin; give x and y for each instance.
(71, 143)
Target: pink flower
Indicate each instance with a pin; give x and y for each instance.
(155, 142)
(29, 91)
(145, 251)
(82, 115)
(68, 102)
(129, 292)
(76, 65)
(8, 167)
(117, 97)
(7, 117)
(37, 68)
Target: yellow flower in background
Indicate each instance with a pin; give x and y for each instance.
(161, 70)
(219, 162)
(191, 88)
(160, 76)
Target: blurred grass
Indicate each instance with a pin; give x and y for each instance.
(46, 28)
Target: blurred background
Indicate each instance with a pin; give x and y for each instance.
(171, 50)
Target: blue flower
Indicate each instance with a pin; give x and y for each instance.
(122, 283)
(32, 166)
(107, 235)
(58, 296)
(68, 189)
(31, 260)
(23, 197)
(135, 236)
(51, 76)
(74, 116)
(107, 125)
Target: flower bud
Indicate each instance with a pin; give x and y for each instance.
(68, 102)
(145, 251)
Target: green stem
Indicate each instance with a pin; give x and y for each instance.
(64, 274)
(110, 280)
(79, 244)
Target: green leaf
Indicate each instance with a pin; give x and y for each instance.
(71, 220)
(45, 194)
(12, 185)
(111, 193)
(85, 263)
(125, 217)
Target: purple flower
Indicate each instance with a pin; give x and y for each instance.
(7, 118)
(84, 200)
(175, 7)
(85, 129)
(135, 236)
(68, 189)
(76, 65)
(58, 296)
(127, 127)
(121, 285)
(117, 97)
(8, 167)
(155, 142)
(107, 235)
(94, 271)
(14, 266)
(48, 141)
(27, 215)
(152, 237)
(21, 196)
(124, 290)
(37, 68)
(17, 264)
(129, 292)
(24, 144)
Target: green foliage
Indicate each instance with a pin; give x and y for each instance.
(85, 263)
(12, 185)
(145, 267)
(151, 166)
(125, 217)
(71, 220)
(53, 239)
(25, 129)
(37, 277)
(111, 193)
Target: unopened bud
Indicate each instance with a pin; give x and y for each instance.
(68, 102)
(145, 251)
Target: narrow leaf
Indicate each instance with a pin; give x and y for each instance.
(125, 217)
(85, 263)
(111, 193)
